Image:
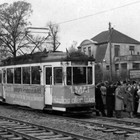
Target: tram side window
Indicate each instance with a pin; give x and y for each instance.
(0, 76)
(35, 74)
(89, 75)
(26, 75)
(10, 75)
(4, 76)
(48, 76)
(57, 75)
(17, 73)
(69, 80)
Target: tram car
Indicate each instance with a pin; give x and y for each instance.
(50, 81)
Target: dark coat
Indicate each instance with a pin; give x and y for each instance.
(110, 98)
(135, 95)
(98, 99)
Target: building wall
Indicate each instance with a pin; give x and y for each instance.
(107, 56)
(127, 59)
(105, 63)
(124, 49)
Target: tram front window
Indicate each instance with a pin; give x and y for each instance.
(89, 75)
(69, 74)
(79, 75)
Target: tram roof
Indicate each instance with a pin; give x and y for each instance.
(40, 57)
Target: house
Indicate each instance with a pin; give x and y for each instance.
(88, 47)
(116, 53)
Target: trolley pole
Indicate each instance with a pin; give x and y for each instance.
(110, 50)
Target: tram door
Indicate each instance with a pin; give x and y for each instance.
(48, 85)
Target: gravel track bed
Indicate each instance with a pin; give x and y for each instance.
(45, 120)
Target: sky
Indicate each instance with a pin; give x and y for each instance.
(83, 19)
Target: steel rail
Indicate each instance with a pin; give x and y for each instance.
(121, 120)
(66, 135)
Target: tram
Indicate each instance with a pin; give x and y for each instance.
(50, 81)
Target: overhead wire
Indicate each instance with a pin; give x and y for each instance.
(101, 12)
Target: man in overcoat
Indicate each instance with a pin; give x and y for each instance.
(119, 101)
(110, 99)
(99, 101)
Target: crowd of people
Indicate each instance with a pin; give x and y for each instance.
(114, 98)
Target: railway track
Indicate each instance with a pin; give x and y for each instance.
(118, 127)
(105, 124)
(13, 129)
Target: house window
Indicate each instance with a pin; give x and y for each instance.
(117, 50)
(124, 66)
(107, 67)
(136, 65)
(89, 51)
(116, 67)
(84, 50)
(132, 49)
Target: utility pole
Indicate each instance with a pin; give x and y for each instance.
(110, 50)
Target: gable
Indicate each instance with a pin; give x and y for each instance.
(87, 42)
(100, 52)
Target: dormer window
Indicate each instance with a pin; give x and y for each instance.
(132, 49)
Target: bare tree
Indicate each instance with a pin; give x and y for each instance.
(54, 30)
(73, 46)
(13, 23)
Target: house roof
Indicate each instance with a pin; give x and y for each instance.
(116, 37)
(100, 52)
(87, 42)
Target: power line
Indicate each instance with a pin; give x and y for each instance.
(101, 12)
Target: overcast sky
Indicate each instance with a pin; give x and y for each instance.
(83, 19)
